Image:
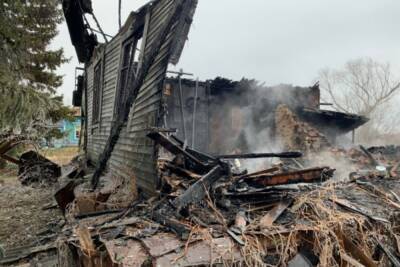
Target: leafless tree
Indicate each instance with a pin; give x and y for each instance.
(364, 87)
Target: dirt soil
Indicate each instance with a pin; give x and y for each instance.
(23, 219)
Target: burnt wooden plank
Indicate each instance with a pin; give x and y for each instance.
(174, 148)
(196, 192)
(294, 154)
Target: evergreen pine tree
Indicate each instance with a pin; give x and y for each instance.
(28, 78)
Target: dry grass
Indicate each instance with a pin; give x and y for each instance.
(333, 235)
(8, 176)
(61, 156)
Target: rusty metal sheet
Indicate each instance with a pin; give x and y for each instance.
(128, 253)
(162, 244)
(203, 253)
(302, 176)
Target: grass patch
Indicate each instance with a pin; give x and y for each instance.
(61, 156)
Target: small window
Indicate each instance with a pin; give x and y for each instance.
(77, 134)
(96, 93)
(130, 57)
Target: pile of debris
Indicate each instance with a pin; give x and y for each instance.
(210, 212)
(36, 170)
(33, 168)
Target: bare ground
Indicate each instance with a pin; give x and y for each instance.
(23, 221)
(22, 218)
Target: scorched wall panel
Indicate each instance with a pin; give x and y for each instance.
(98, 133)
(135, 154)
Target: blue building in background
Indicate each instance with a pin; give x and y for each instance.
(71, 131)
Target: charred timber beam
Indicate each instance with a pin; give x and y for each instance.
(112, 211)
(200, 155)
(268, 219)
(26, 252)
(293, 154)
(254, 174)
(182, 172)
(174, 148)
(65, 195)
(82, 40)
(392, 257)
(196, 192)
(98, 213)
(177, 227)
(349, 206)
(162, 130)
(302, 176)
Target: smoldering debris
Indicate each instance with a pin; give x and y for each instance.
(208, 212)
(211, 210)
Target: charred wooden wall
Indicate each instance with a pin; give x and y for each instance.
(134, 155)
(98, 132)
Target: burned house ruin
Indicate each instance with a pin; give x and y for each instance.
(125, 92)
(183, 143)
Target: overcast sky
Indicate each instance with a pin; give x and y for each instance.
(274, 41)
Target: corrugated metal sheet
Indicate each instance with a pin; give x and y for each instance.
(134, 154)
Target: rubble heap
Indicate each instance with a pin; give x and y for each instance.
(210, 212)
(36, 170)
(33, 168)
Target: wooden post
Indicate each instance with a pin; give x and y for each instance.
(194, 113)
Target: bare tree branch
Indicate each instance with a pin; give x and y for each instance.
(364, 86)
